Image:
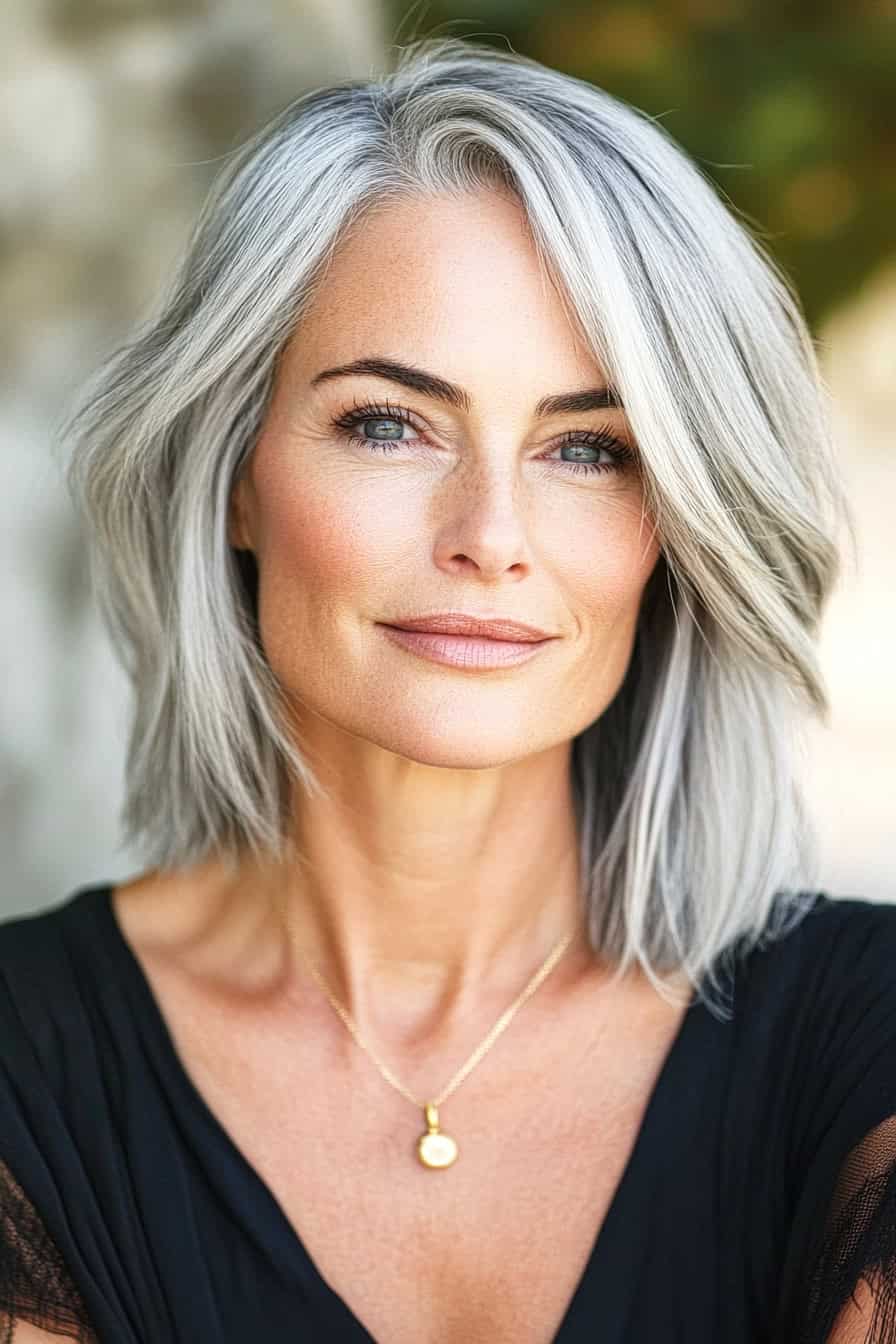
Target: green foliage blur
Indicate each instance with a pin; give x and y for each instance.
(788, 107)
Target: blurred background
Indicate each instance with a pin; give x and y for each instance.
(114, 115)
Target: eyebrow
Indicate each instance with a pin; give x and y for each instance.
(430, 385)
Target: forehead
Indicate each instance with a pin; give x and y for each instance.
(454, 283)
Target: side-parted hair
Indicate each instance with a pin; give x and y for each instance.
(695, 841)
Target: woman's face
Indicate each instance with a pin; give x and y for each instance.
(423, 504)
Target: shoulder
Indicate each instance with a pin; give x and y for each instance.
(32, 945)
(848, 963)
(56, 960)
(828, 953)
(837, 1019)
(32, 940)
(154, 907)
(856, 1006)
(855, 950)
(54, 965)
(835, 1093)
(813, 1030)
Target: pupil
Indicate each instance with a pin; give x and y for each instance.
(578, 448)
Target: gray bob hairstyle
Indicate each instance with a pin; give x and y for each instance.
(694, 835)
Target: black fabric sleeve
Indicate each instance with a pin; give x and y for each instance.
(843, 1290)
(34, 1283)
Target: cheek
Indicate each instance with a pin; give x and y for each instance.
(606, 564)
(323, 543)
(607, 556)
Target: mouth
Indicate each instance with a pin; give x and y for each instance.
(475, 653)
(473, 627)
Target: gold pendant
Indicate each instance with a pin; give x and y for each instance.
(434, 1148)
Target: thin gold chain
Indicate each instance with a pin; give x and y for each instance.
(500, 1025)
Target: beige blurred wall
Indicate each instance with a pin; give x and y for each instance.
(113, 114)
(851, 762)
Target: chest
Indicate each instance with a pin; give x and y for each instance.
(487, 1251)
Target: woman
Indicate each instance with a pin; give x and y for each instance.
(464, 520)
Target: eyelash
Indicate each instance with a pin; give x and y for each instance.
(601, 438)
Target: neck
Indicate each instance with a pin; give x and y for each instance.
(426, 896)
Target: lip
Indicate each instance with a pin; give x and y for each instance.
(467, 652)
(495, 628)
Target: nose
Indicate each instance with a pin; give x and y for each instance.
(483, 522)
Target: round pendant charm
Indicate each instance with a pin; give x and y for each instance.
(434, 1148)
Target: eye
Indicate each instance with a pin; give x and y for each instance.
(388, 415)
(596, 441)
(582, 443)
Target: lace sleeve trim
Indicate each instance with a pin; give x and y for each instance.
(35, 1285)
(858, 1241)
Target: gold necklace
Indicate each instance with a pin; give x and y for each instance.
(435, 1148)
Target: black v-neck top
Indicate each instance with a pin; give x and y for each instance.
(761, 1185)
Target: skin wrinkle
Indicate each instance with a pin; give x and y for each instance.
(444, 865)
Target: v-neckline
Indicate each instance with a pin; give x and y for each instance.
(275, 1232)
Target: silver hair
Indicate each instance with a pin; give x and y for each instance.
(695, 840)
